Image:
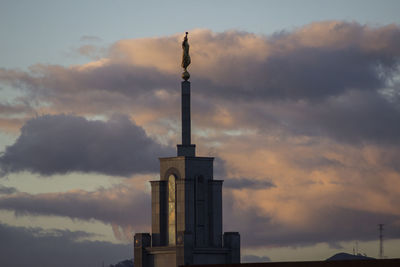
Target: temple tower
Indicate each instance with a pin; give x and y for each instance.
(186, 205)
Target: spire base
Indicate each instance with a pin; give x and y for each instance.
(186, 150)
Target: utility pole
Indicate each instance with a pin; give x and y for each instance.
(380, 241)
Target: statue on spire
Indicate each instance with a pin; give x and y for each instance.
(185, 58)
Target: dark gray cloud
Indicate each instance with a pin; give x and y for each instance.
(310, 74)
(59, 144)
(56, 83)
(22, 246)
(120, 205)
(7, 190)
(318, 61)
(246, 183)
(354, 117)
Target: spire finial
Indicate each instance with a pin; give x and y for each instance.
(185, 58)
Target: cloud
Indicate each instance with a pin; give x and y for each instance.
(127, 209)
(242, 183)
(329, 224)
(316, 61)
(122, 206)
(88, 50)
(22, 246)
(354, 117)
(13, 109)
(59, 144)
(90, 38)
(315, 110)
(324, 192)
(14, 114)
(254, 258)
(7, 190)
(322, 79)
(312, 202)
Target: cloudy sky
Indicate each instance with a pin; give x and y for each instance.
(299, 101)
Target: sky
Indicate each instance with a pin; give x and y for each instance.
(299, 101)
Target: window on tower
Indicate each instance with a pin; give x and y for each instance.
(171, 210)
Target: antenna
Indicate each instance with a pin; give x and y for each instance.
(357, 247)
(380, 240)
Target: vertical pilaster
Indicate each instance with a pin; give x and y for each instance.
(201, 216)
(185, 205)
(185, 221)
(215, 212)
(141, 258)
(158, 212)
(232, 242)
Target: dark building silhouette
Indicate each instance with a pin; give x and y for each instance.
(186, 208)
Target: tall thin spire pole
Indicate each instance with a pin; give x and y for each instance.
(186, 122)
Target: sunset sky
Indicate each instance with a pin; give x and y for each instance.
(299, 101)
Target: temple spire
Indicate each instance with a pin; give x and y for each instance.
(186, 148)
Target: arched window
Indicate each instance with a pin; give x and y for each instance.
(171, 210)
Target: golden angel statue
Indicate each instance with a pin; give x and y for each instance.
(185, 57)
